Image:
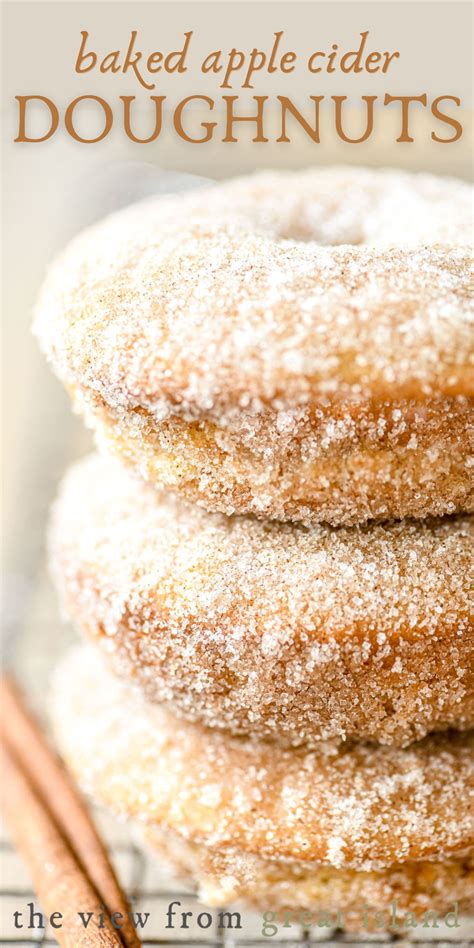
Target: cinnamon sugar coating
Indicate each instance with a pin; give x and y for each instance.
(296, 346)
(289, 632)
(354, 806)
(223, 878)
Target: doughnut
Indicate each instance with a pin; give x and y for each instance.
(291, 889)
(288, 632)
(298, 346)
(350, 806)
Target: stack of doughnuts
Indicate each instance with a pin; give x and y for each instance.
(271, 557)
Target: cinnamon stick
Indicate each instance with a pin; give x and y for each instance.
(53, 830)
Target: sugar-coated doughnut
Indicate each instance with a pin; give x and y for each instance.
(346, 896)
(289, 632)
(297, 346)
(350, 806)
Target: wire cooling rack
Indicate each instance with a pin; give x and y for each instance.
(151, 889)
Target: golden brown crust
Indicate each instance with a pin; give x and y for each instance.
(193, 321)
(349, 896)
(355, 806)
(291, 633)
(369, 466)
